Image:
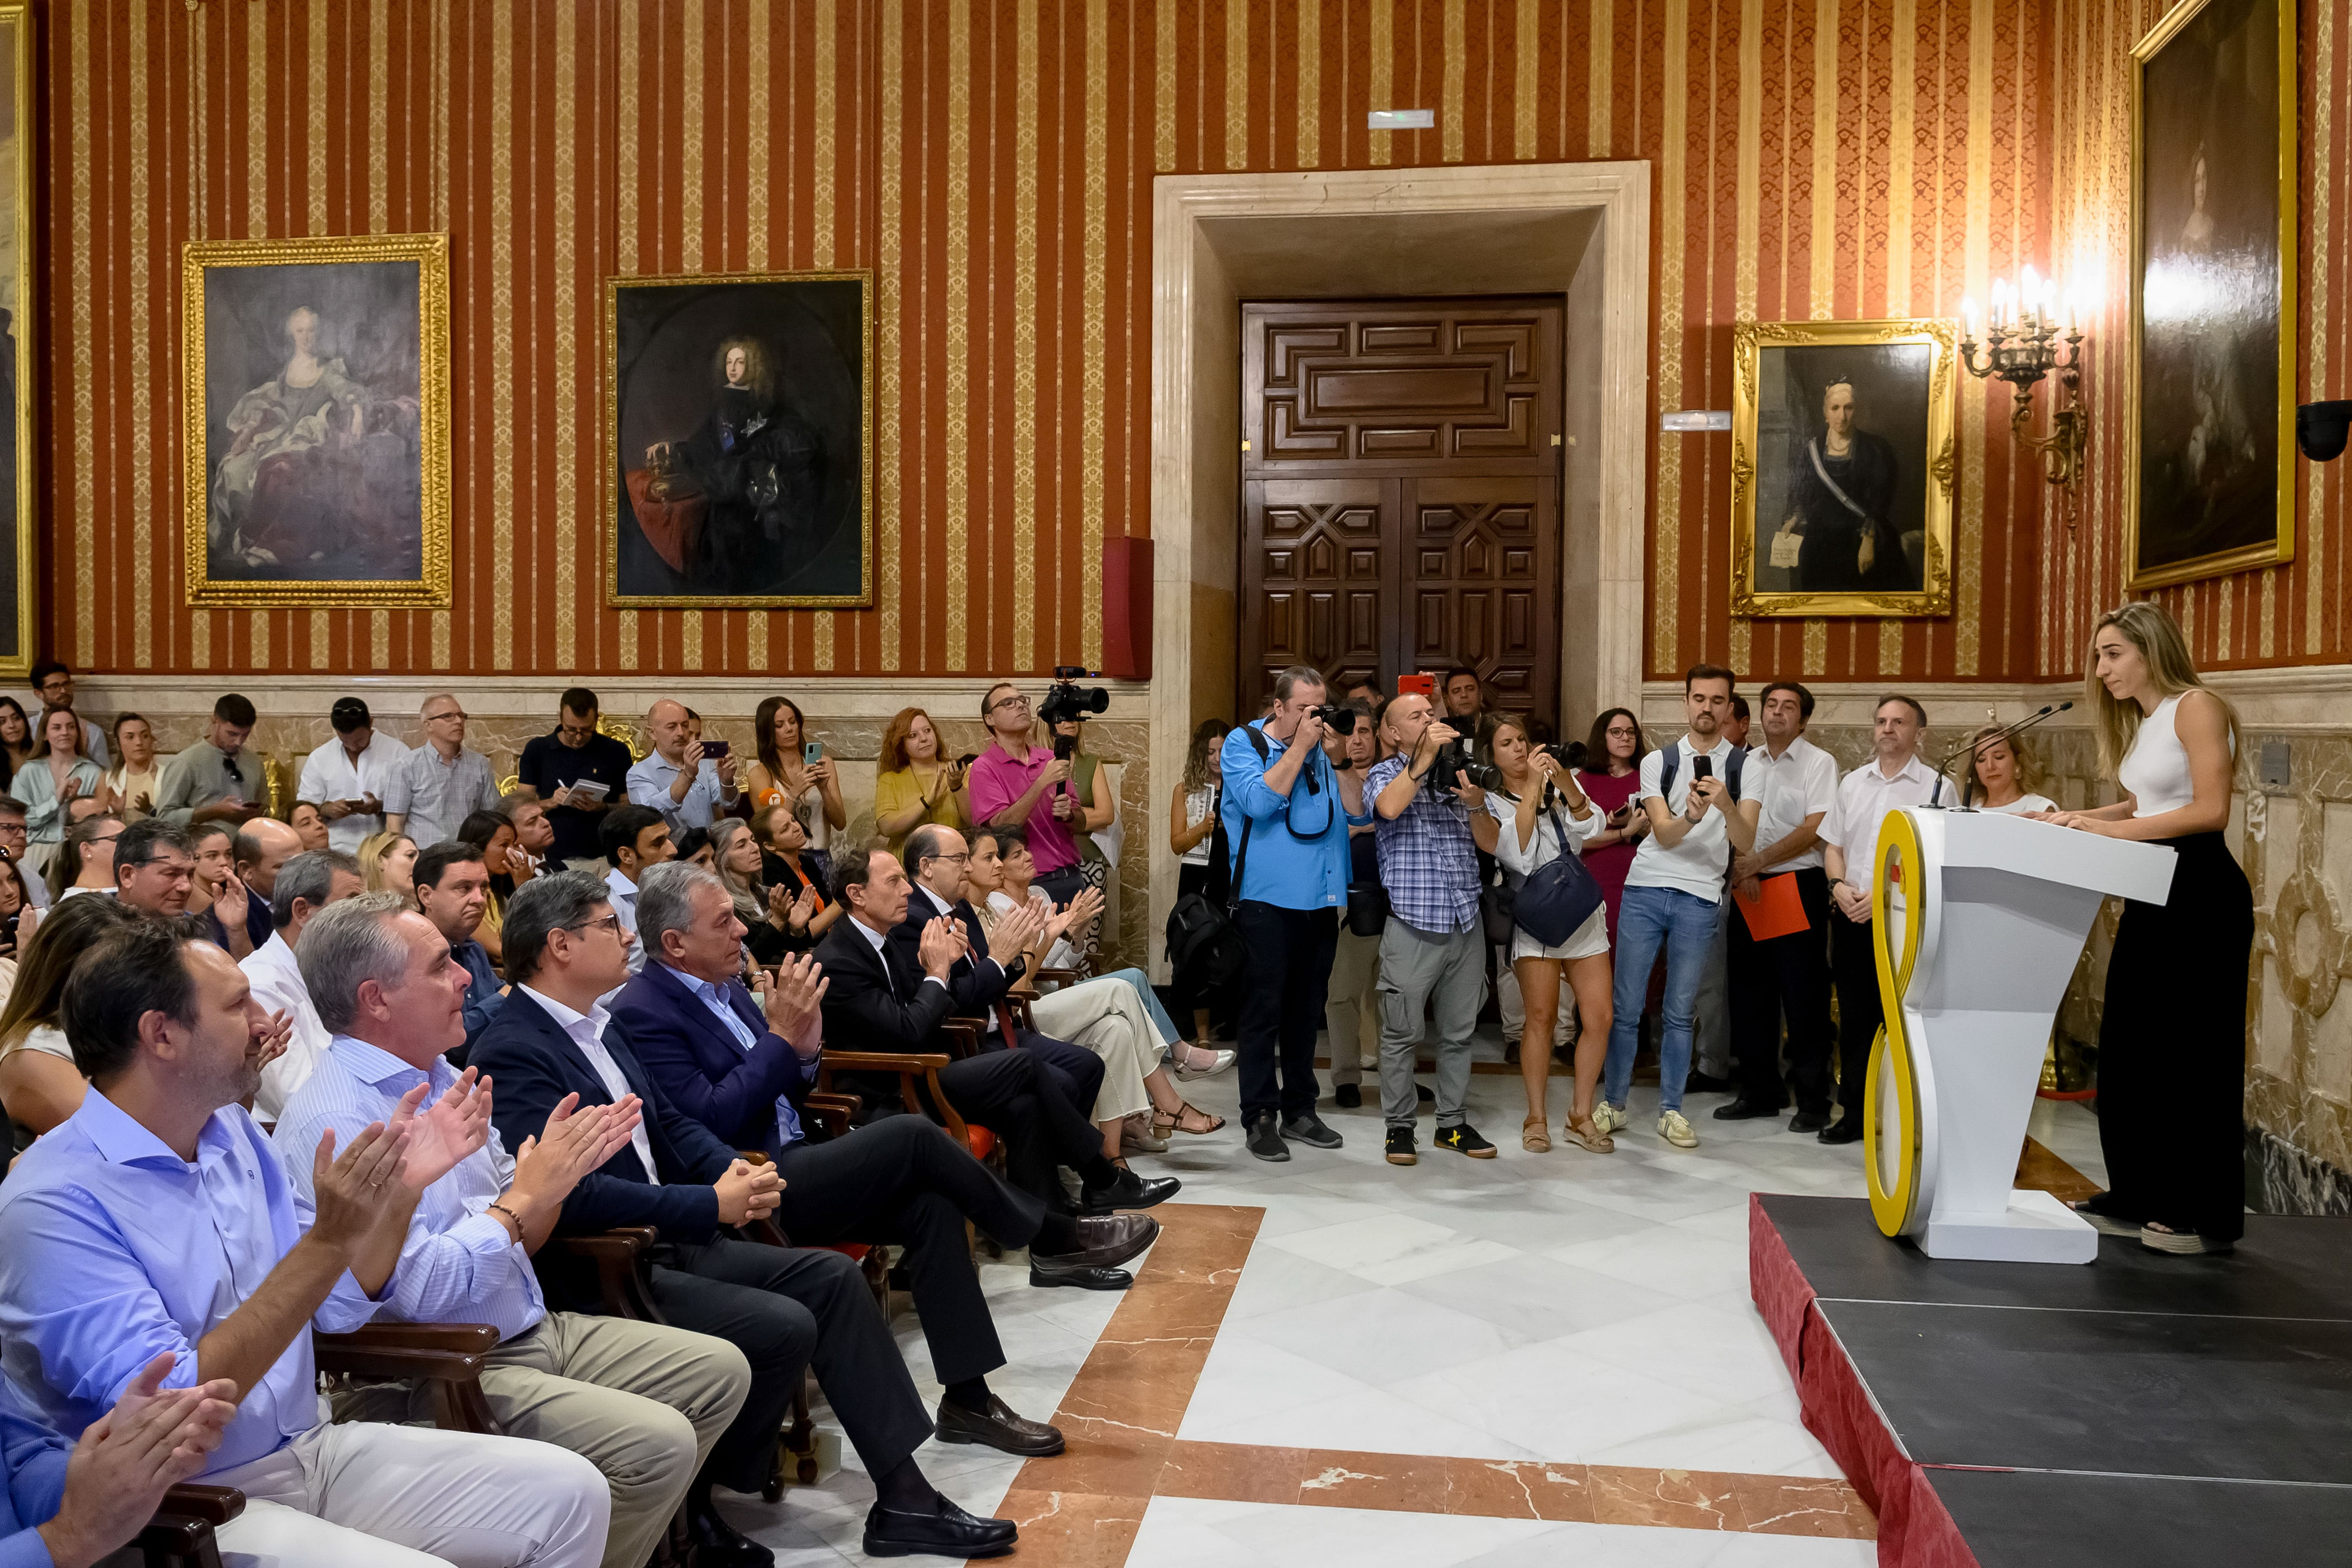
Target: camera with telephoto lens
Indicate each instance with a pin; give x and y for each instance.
(1453, 763)
(1067, 702)
(1339, 718)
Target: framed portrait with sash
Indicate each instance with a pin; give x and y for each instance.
(1844, 463)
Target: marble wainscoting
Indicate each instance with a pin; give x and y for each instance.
(503, 715)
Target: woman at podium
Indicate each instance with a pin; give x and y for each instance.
(2172, 1076)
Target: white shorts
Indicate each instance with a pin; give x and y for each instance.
(1589, 940)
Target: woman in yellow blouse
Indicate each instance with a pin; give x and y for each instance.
(917, 785)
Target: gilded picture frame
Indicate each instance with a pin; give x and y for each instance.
(1866, 530)
(315, 422)
(2208, 468)
(20, 300)
(739, 440)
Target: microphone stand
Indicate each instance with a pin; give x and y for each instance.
(1936, 800)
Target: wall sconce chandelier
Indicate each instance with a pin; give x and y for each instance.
(2029, 335)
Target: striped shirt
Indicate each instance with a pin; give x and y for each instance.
(459, 1263)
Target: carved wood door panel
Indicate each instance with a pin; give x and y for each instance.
(1400, 492)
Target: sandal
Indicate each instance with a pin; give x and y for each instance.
(1589, 1137)
(1532, 1136)
(1166, 1122)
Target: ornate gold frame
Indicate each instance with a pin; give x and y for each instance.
(18, 15)
(609, 486)
(431, 254)
(1939, 463)
(2282, 547)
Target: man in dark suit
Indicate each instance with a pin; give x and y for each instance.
(935, 860)
(742, 1069)
(784, 1307)
(871, 997)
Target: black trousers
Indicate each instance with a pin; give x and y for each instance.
(1787, 975)
(1077, 1071)
(903, 1181)
(2172, 1050)
(1290, 953)
(786, 1308)
(1015, 1096)
(1854, 963)
(1211, 882)
(1062, 884)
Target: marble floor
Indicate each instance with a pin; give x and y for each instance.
(1518, 1359)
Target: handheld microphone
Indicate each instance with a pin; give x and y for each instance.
(1971, 747)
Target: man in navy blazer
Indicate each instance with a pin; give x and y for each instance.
(786, 1308)
(742, 1068)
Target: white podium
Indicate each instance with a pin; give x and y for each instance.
(1980, 919)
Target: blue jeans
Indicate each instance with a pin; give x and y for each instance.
(1142, 984)
(1685, 924)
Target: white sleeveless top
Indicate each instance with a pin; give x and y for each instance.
(2156, 773)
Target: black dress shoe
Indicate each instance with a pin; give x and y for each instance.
(1806, 1121)
(947, 1531)
(718, 1544)
(1847, 1129)
(1129, 1191)
(1743, 1110)
(1095, 1279)
(1699, 1082)
(1310, 1130)
(1421, 1096)
(1105, 1241)
(998, 1427)
(1349, 1096)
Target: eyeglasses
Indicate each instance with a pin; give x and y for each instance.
(603, 921)
(963, 859)
(12, 830)
(1008, 702)
(438, 718)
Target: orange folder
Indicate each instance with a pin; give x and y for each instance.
(1775, 911)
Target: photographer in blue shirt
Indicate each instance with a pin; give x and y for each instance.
(1290, 883)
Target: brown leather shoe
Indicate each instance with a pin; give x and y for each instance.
(1104, 1241)
(998, 1427)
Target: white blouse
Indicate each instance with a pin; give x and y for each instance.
(2022, 805)
(1522, 861)
(2156, 773)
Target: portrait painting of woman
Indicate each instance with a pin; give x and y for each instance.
(319, 388)
(739, 444)
(1842, 467)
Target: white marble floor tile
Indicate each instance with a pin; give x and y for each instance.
(1559, 1405)
(1390, 1332)
(1177, 1530)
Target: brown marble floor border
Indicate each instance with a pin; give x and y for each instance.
(1083, 1509)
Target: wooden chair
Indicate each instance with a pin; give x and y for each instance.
(449, 1357)
(180, 1535)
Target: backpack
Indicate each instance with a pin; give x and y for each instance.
(1206, 952)
(1672, 762)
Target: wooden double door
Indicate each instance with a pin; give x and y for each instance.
(1400, 492)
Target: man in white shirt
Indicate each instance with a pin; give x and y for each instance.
(1796, 783)
(306, 885)
(1673, 892)
(1894, 778)
(634, 839)
(678, 778)
(346, 778)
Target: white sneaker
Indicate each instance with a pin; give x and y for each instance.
(1608, 1118)
(1676, 1131)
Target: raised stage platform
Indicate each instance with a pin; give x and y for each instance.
(2141, 1411)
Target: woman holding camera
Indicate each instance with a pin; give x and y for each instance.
(793, 771)
(1535, 831)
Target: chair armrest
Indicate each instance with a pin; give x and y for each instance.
(463, 1339)
(212, 1505)
(963, 1035)
(1059, 977)
(884, 1060)
(381, 1354)
(832, 1111)
(618, 1256)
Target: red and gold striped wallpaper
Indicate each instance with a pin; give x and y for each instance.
(992, 162)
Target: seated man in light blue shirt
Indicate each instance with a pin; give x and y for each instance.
(51, 1517)
(687, 782)
(643, 1401)
(158, 1221)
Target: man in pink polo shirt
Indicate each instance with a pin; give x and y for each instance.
(1014, 784)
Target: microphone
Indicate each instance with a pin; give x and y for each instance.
(1970, 747)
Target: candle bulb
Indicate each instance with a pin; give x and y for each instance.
(1967, 318)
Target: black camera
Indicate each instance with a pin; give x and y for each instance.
(1571, 755)
(1069, 703)
(1452, 762)
(1339, 718)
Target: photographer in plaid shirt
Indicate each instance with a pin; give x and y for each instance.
(1430, 822)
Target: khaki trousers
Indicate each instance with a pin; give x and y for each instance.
(1108, 1018)
(642, 1402)
(1351, 1008)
